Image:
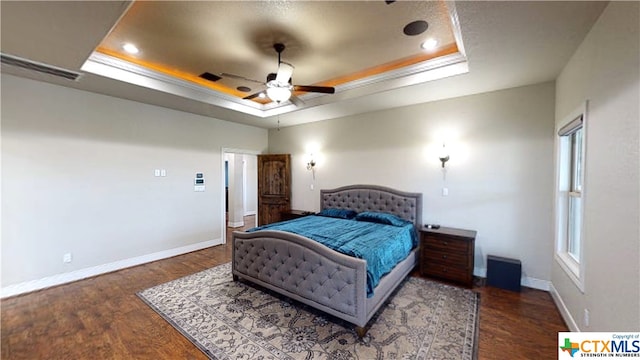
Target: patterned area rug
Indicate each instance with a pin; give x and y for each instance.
(235, 320)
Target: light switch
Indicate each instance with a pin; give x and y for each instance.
(163, 172)
(156, 172)
(445, 191)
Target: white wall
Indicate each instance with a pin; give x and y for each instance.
(251, 186)
(500, 176)
(78, 177)
(605, 71)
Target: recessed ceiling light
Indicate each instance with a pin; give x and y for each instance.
(130, 48)
(430, 44)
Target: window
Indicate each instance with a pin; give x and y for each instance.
(570, 195)
(574, 222)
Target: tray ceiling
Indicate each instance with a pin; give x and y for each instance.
(359, 47)
(346, 45)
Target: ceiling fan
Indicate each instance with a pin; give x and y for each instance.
(278, 86)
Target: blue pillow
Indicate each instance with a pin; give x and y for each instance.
(381, 218)
(338, 213)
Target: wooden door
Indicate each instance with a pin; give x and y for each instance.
(274, 187)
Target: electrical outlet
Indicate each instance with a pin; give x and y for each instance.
(445, 191)
(66, 258)
(586, 317)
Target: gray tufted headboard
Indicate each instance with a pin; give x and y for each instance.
(360, 198)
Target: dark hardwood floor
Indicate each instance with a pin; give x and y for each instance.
(518, 325)
(102, 318)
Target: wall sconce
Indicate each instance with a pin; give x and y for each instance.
(311, 164)
(444, 155)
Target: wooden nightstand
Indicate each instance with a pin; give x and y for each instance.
(294, 214)
(447, 253)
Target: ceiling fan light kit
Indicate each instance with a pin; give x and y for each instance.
(277, 93)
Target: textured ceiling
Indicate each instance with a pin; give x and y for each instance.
(186, 39)
(505, 44)
(238, 37)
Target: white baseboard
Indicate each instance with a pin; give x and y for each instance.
(564, 311)
(535, 283)
(236, 224)
(249, 213)
(524, 281)
(59, 279)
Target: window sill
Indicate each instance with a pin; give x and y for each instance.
(572, 269)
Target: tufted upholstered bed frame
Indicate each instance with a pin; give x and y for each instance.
(309, 272)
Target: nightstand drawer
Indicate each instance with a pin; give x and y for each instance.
(446, 272)
(447, 243)
(459, 260)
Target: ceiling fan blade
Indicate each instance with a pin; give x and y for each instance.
(285, 70)
(232, 76)
(252, 96)
(297, 101)
(317, 89)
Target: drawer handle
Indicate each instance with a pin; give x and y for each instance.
(444, 256)
(445, 243)
(444, 269)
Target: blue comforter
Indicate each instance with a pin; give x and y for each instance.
(382, 246)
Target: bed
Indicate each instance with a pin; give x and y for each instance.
(309, 272)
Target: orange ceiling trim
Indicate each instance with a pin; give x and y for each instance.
(376, 70)
(390, 66)
(445, 10)
(173, 72)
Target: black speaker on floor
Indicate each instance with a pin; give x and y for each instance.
(504, 273)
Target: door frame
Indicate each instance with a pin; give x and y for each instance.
(223, 151)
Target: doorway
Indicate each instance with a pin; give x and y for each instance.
(240, 189)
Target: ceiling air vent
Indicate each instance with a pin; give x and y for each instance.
(39, 67)
(209, 76)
